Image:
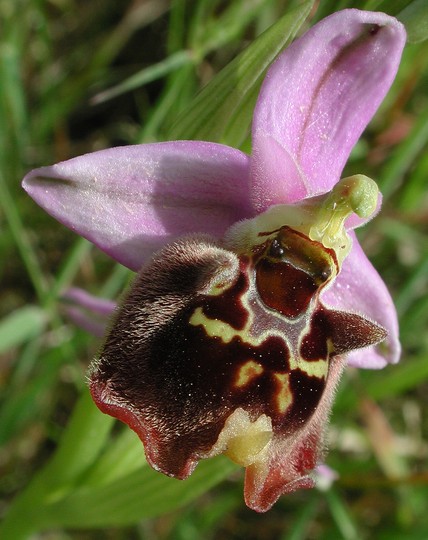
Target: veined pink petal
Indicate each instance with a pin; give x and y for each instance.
(317, 99)
(360, 289)
(131, 200)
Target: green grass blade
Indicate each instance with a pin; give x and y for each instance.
(341, 515)
(81, 443)
(22, 241)
(299, 529)
(415, 19)
(145, 76)
(140, 495)
(123, 455)
(21, 326)
(222, 102)
(405, 155)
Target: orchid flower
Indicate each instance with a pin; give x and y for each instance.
(252, 292)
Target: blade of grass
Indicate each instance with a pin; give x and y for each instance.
(168, 104)
(72, 263)
(405, 155)
(124, 455)
(140, 495)
(145, 76)
(209, 115)
(341, 516)
(81, 444)
(415, 19)
(299, 529)
(414, 285)
(22, 241)
(20, 326)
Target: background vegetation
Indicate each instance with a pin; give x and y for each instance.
(77, 76)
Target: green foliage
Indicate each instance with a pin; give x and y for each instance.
(76, 77)
(415, 18)
(222, 111)
(20, 326)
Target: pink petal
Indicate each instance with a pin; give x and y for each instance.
(317, 99)
(360, 289)
(325, 476)
(131, 200)
(88, 311)
(100, 306)
(85, 321)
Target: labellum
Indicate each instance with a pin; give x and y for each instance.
(226, 346)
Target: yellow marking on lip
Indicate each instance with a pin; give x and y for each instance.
(315, 368)
(219, 288)
(247, 373)
(284, 396)
(220, 329)
(216, 327)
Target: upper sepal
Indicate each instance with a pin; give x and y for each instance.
(316, 100)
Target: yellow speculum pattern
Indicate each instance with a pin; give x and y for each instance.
(216, 328)
(247, 373)
(284, 395)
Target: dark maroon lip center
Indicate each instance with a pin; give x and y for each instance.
(179, 361)
(291, 271)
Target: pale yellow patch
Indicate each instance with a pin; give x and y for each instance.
(284, 396)
(244, 235)
(216, 327)
(243, 441)
(355, 194)
(218, 289)
(321, 218)
(247, 372)
(246, 449)
(316, 368)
